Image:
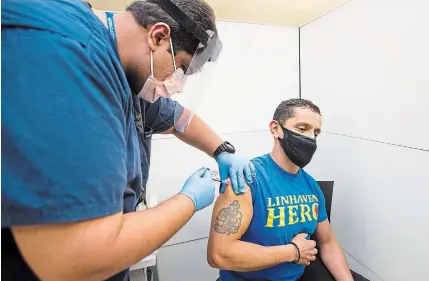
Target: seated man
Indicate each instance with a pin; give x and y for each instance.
(264, 234)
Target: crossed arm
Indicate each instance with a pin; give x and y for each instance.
(230, 219)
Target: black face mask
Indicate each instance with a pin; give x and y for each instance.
(298, 148)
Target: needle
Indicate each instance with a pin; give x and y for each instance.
(216, 177)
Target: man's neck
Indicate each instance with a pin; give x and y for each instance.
(127, 30)
(283, 161)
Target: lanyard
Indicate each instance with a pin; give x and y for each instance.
(146, 130)
(111, 26)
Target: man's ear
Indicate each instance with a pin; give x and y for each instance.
(158, 35)
(275, 129)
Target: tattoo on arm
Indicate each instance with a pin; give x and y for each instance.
(228, 220)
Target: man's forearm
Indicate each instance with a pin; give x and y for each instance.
(245, 256)
(333, 257)
(200, 135)
(98, 249)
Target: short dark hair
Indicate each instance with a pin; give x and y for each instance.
(148, 13)
(286, 109)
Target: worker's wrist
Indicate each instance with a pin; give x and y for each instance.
(187, 201)
(216, 144)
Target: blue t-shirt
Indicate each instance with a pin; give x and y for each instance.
(69, 144)
(284, 205)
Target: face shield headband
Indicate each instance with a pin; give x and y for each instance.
(209, 46)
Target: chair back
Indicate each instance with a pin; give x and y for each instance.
(327, 188)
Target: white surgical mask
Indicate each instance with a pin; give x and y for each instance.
(153, 89)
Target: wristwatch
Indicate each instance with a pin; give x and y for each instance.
(224, 147)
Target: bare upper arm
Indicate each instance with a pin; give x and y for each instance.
(231, 217)
(324, 233)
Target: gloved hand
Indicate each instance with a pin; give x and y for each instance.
(200, 188)
(236, 168)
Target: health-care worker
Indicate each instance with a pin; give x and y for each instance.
(161, 115)
(70, 154)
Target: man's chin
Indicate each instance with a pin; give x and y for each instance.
(135, 81)
(135, 86)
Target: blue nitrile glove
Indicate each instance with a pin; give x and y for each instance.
(236, 168)
(200, 188)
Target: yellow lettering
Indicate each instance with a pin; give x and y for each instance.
(285, 200)
(315, 209)
(314, 198)
(272, 217)
(305, 212)
(293, 216)
(270, 204)
(292, 199)
(277, 201)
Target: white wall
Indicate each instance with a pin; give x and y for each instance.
(366, 66)
(371, 57)
(257, 69)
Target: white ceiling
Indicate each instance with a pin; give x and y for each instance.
(278, 12)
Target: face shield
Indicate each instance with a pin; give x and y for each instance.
(202, 64)
(205, 52)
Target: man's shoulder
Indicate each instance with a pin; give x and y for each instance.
(69, 18)
(314, 185)
(65, 36)
(308, 177)
(260, 162)
(262, 170)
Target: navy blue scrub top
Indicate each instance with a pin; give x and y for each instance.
(152, 118)
(70, 149)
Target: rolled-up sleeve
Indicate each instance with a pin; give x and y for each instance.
(161, 115)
